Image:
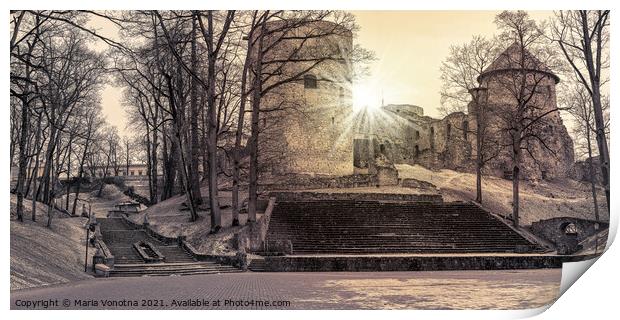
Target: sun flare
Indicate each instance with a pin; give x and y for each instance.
(366, 96)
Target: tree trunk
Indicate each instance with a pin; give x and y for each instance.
(479, 182)
(516, 171)
(47, 171)
(212, 141)
(169, 166)
(80, 175)
(68, 177)
(149, 163)
(593, 66)
(478, 154)
(256, 97)
(154, 171)
(22, 159)
(194, 151)
(35, 173)
(601, 141)
(52, 199)
(592, 172)
(239, 135)
(127, 161)
(35, 188)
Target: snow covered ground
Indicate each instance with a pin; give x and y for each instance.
(42, 256)
(541, 200)
(168, 219)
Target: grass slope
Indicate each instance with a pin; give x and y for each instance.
(43, 256)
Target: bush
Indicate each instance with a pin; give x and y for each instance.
(115, 180)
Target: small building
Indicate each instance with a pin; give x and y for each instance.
(132, 170)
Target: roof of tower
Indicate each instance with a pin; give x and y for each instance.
(510, 60)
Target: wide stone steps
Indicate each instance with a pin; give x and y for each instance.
(108, 224)
(175, 254)
(359, 227)
(376, 250)
(257, 265)
(125, 254)
(167, 269)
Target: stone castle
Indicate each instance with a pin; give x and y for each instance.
(320, 132)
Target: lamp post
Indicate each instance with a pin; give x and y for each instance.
(89, 225)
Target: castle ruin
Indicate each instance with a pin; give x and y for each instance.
(322, 133)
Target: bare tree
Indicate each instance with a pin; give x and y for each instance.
(459, 75)
(579, 105)
(525, 85)
(272, 70)
(487, 145)
(91, 121)
(52, 73)
(583, 37)
(460, 71)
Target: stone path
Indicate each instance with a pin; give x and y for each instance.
(510, 289)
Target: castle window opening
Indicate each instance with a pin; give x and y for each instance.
(417, 134)
(333, 120)
(448, 130)
(465, 129)
(432, 138)
(416, 151)
(310, 82)
(382, 148)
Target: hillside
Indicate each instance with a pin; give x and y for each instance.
(541, 200)
(169, 219)
(43, 256)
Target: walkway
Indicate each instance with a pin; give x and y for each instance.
(508, 289)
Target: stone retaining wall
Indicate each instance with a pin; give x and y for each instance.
(340, 196)
(396, 263)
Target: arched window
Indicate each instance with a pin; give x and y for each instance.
(416, 151)
(309, 81)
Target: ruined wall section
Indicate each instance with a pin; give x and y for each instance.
(433, 143)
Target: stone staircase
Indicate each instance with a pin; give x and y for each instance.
(257, 264)
(168, 269)
(373, 227)
(120, 237)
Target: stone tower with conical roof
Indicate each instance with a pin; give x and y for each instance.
(518, 78)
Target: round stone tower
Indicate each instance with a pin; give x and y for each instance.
(549, 149)
(304, 123)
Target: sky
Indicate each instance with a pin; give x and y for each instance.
(409, 47)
